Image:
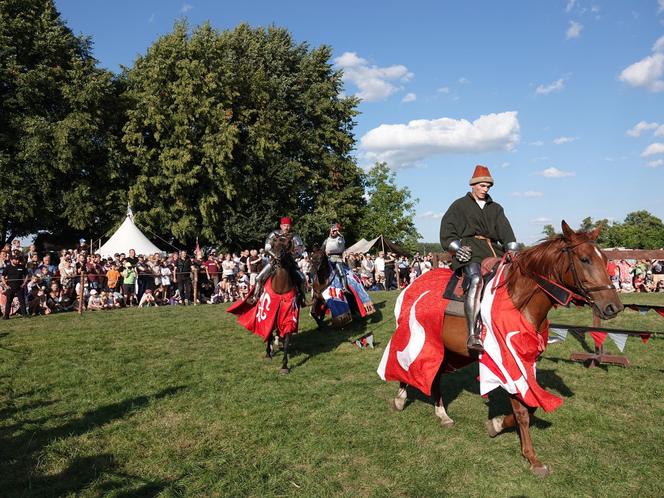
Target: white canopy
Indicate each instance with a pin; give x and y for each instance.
(128, 236)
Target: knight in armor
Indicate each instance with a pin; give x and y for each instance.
(298, 249)
(334, 246)
(474, 228)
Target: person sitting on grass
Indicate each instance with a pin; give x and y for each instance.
(147, 299)
(95, 303)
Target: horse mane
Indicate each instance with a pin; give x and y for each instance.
(544, 259)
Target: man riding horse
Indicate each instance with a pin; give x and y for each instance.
(334, 246)
(474, 228)
(298, 248)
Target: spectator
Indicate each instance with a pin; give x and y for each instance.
(15, 278)
(389, 270)
(212, 269)
(95, 302)
(129, 283)
(379, 268)
(182, 277)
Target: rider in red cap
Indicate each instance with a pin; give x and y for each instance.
(474, 228)
(298, 248)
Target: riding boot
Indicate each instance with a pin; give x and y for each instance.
(261, 278)
(472, 305)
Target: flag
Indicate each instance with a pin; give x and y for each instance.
(620, 340)
(557, 335)
(511, 348)
(598, 337)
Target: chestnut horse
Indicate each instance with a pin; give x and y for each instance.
(571, 260)
(282, 279)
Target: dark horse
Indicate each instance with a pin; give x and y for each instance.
(282, 280)
(571, 260)
(322, 276)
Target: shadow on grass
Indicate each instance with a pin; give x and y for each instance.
(22, 451)
(325, 338)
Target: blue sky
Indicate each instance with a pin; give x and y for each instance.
(562, 99)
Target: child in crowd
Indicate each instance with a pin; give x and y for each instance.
(95, 302)
(147, 299)
(112, 277)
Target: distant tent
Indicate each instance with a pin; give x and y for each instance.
(364, 246)
(128, 236)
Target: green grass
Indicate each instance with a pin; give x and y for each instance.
(178, 402)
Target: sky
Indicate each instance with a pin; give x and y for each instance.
(563, 100)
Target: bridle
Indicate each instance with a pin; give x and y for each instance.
(584, 292)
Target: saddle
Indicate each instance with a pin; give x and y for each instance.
(455, 292)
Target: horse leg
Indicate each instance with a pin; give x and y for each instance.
(496, 425)
(399, 403)
(522, 416)
(438, 405)
(268, 348)
(284, 363)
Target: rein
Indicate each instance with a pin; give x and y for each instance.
(585, 291)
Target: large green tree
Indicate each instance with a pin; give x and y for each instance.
(60, 160)
(229, 130)
(390, 210)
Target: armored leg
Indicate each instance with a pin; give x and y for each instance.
(338, 266)
(473, 281)
(261, 278)
(302, 287)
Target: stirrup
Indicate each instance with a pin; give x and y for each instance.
(475, 343)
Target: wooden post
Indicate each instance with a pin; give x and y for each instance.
(82, 295)
(195, 285)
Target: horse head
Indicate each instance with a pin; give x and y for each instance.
(586, 271)
(282, 247)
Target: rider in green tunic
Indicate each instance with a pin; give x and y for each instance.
(473, 228)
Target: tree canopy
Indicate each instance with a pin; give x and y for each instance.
(390, 210)
(230, 130)
(59, 125)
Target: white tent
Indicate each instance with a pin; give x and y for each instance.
(128, 236)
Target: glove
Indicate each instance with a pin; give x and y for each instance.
(463, 255)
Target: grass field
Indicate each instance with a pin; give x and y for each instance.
(178, 402)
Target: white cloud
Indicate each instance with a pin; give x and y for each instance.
(569, 6)
(463, 80)
(656, 164)
(574, 30)
(659, 44)
(653, 149)
(541, 221)
(661, 6)
(640, 127)
(504, 165)
(565, 140)
(151, 19)
(409, 97)
(553, 172)
(528, 193)
(556, 86)
(186, 8)
(430, 214)
(444, 89)
(536, 143)
(375, 83)
(405, 144)
(659, 132)
(647, 73)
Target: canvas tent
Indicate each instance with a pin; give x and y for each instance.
(380, 242)
(128, 236)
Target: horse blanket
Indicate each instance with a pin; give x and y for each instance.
(415, 352)
(336, 301)
(511, 347)
(271, 311)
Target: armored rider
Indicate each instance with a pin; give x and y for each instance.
(473, 228)
(334, 246)
(298, 249)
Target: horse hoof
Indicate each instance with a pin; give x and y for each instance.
(447, 423)
(491, 428)
(541, 471)
(397, 404)
(284, 371)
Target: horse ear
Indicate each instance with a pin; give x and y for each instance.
(568, 233)
(595, 233)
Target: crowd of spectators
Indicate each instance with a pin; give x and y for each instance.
(35, 284)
